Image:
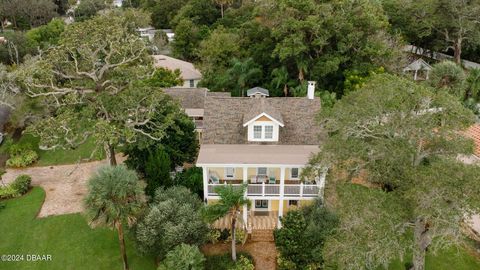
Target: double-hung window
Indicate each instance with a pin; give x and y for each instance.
(294, 173)
(229, 172)
(268, 132)
(257, 132)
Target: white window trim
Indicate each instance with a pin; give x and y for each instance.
(291, 173)
(266, 172)
(263, 124)
(226, 175)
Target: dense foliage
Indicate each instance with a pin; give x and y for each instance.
(301, 239)
(399, 140)
(183, 257)
(172, 218)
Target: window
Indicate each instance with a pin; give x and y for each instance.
(257, 132)
(294, 173)
(262, 171)
(292, 203)
(229, 172)
(192, 83)
(268, 132)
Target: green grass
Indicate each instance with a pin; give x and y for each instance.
(67, 238)
(453, 258)
(58, 156)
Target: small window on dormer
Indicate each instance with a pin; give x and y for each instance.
(257, 132)
(268, 132)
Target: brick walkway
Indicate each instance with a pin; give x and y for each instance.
(65, 185)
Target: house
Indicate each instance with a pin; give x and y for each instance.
(147, 33)
(190, 75)
(192, 101)
(117, 3)
(263, 142)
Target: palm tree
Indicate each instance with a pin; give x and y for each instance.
(231, 201)
(244, 72)
(280, 77)
(223, 3)
(115, 196)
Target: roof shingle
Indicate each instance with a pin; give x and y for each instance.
(474, 133)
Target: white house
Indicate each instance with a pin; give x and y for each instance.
(263, 142)
(190, 75)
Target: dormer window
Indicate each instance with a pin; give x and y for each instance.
(257, 132)
(263, 128)
(268, 132)
(263, 131)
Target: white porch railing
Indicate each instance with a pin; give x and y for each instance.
(273, 190)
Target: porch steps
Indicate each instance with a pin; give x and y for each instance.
(262, 236)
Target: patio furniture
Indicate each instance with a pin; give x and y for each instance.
(214, 180)
(272, 180)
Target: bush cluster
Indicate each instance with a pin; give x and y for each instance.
(17, 188)
(21, 155)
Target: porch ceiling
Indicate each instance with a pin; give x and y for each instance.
(255, 154)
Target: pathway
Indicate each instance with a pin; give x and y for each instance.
(65, 185)
(264, 253)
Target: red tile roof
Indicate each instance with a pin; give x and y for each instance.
(474, 133)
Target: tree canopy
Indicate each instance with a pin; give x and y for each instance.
(398, 142)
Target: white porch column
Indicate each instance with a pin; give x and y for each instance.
(282, 191)
(245, 208)
(205, 182)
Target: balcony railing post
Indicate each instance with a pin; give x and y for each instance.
(301, 189)
(263, 188)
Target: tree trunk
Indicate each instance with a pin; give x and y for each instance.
(110, 152)
(422, 241)
(458, 51)
(285, 90)
(121, 240)
(221, 8)
(234, 239)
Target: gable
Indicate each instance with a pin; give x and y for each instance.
(263, 117)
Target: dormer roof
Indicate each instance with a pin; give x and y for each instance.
(258, 91)
(262, 108)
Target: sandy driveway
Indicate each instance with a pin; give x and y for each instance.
(65, 185)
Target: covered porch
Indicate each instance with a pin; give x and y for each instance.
(257, 220)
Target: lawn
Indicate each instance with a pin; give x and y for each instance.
(453, 258)
(59, 156)
(67, 238)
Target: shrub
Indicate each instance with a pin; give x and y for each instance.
(22, 160)
(301, 239)
(192, 178)
(213, 236)
(7, 192)
(243, 263)
(241, 236)
(22, 184)
(183, 257)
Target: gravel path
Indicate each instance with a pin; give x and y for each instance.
(65, 185)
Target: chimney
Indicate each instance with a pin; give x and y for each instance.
(311, 89)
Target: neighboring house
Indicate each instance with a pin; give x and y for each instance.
(192, 101)
(190, 75)
(263, 142)
(147, 32)
(170, 34)
(117, 3)
(419, 69)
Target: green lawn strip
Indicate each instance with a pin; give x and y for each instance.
(60, 156)
(68, 238)
(452, 258)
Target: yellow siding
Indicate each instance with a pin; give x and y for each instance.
(274, 205)
(264, 119)
(221, 172)
(212, 201)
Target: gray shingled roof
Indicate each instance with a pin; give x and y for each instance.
(192, 98)
(260, 107)
(257, 89)
(224, 117)
(188, 70)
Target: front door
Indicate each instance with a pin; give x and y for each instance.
(261, 205)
